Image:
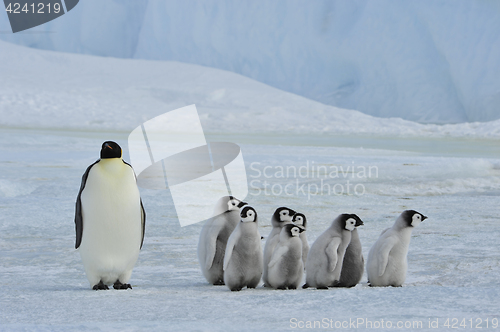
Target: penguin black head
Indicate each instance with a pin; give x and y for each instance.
(283, 214)
(248, 214)
(293, 230)
(412, 218)
(350, 221)
(110, 150)
(299, 219)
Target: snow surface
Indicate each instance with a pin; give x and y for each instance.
(43, 89)
(57, 109)
(426, 61)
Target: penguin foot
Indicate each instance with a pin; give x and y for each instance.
(119, 285)
(321, 287)
(100, 286)
(292, 287)
(344, 286)
(219, 283)
(305, 286)
(282, 287)
(235, 289)
(336, 283)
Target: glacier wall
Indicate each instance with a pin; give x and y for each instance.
(429, 61)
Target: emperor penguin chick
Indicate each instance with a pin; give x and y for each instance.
(286, 268)
(354, 263)
(109, 220)
(243, 258)
(300, 219)
(326, 256)
(213, 238)
(280, 218)
(387, 260)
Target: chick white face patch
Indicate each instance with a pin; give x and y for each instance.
(250, 217)
(416, 220)
(299, 221)
(295, 231)
(350, 224)
(232, 205)
(285, 216)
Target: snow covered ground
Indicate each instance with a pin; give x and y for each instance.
(57, 109)
(44, 89)
(427, 61)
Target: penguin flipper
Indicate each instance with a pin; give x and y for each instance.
(385, 230)
(231, 242)
(210, 241)
(277, 255)
(383, 255)
(331, 253)
(143, 222)
(78, 208)
(271, 242)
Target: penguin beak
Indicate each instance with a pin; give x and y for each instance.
(107, 146)
(423, 217)
(359, 223)
(242, 204)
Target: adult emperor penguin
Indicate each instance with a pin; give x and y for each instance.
(109, 220)
(387, 259)
(300, 219)
(280, 218)
(243, 258)
(326, 256)
(214, 235)
(286, 268)
(354, 263)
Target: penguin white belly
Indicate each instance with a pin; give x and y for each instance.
(112, 233)
(245, 266)
(288, 272)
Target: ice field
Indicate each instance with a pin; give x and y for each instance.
(426, 61)
(54, 122)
